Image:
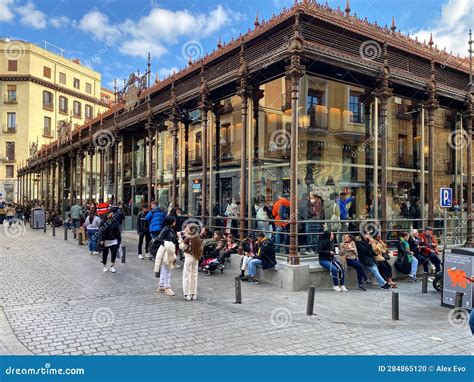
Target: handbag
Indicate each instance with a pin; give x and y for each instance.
(119, 252)
(386, 255)
(334, 217)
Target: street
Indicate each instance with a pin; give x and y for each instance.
(57, 300)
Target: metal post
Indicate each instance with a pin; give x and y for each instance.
(458, 299)
(445, 229)
(65, 233)
(44, 226)
(424, 283)
(376, 159)
(395, 307)
(79, 237)
(53, 229)
(310, 303)
(124, 254)
(238, 291)
(422, 167)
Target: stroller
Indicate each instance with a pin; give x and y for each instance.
(210, 261)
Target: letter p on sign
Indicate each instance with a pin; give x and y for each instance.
(446, 197)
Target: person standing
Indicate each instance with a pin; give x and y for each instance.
(281, 213)
(191, 245)
(166, 256)
(110, 239)
(155, 218)
(143, 232)
(91, 225)
(76, 214)
(10, 214)
(2, 212)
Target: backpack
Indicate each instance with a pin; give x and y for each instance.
(284, 212)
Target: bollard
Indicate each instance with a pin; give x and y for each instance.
(310, 303)
(37, 225)
(53, 229)
(458, 305)
(79, 237)
(424, 283)
(44, 227)
(65, 233)
(124, 254)
(238, 291)
(395, 307)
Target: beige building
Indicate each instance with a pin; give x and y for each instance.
(40, 90)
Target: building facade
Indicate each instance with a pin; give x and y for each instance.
(41, 91)
(305, 106)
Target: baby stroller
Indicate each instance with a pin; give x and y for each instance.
(210, 262)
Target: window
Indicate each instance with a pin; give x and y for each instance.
(77, 83)
(88, 112)
(10, 150)
(314, 108)
(46, 72)
(47, 100)
(63, 107)
(62, 78)
(11, 122)
(88, 88)
(11, 94)
(403, 157)
(356, 108)
(12, 65)
(47, 127)
(9, 170)
(76, 109)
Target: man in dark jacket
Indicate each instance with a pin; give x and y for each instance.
(155, 219)
(265, 257)
(143, 232)
(367, 257)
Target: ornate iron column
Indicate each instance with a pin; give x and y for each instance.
(431, 104)
(216, 110)
(383, 92)
(244, 92)
(204, 106)
(91, 152)
(81, 174)
(470, 118)
(174, 117)
(151, 132)
(53, 185)
(48, 185)
(101, 174)
(294, 71)
(185, 119)
(257, 95)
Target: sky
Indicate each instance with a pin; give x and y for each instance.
(115, 36)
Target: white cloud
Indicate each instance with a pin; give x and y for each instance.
(6, 14)
(156, 31)
(59, 22)
(450, 29)
(32, 17)
(165, 72)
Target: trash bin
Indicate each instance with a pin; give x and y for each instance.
(457, 268)
(38, 218)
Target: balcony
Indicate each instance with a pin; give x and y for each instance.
(9, 129)
(315, 122)
(48, 106)
(10, 99)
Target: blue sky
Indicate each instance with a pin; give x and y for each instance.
(114, 36)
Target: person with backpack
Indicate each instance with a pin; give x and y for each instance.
(406, 261)
(191, 245)
(110, 240)
(281, 213)
(91, 225)
(143, 232)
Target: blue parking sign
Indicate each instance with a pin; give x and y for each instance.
(446, 197)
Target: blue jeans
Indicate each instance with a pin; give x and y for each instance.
(92, 235)
(252, 266)
(414, 266)
(281, 238)
(375, 272)
(471, 321)
(336, 270)
(354, 263)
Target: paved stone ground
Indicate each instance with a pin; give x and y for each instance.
(58, 301)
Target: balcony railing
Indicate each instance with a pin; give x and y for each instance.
(10, 99)
(9, 129)
(405, 161)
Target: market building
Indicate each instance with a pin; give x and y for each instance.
(306, 105)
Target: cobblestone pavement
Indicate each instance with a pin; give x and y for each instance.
(58, 301)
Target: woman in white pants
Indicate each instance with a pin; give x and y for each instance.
(191, 245)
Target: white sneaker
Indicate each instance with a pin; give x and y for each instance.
(344, 289)
(112, 269)
(187, 298)
(140, 256)
(336, 288)
(104, 269)
(195, 297)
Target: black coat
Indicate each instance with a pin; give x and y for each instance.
(326, 247)
(142, 224)
(266, 253)
(365, 253)
(109, 230)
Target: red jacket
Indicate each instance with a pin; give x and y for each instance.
(434, 244)
(276, 209)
